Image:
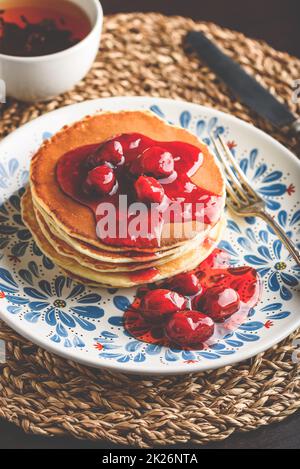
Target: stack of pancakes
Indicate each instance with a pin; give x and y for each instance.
(65, 230)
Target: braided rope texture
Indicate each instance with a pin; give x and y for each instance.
(142, 54)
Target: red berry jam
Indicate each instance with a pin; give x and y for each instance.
(189, 327)
(220, 303)
(110, 152)
(149, 190)
(157, 162)
(212, 301)
(100, 180)
(145, 171)
(186, 284)
(160, 303)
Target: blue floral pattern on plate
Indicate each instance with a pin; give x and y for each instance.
(86, 324)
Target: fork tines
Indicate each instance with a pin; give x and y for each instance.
(237, 184)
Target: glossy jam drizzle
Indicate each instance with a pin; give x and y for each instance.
(146, 171)
(194, 309)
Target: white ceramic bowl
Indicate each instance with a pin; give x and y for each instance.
(42, 78)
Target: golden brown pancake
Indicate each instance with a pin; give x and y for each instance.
(187, 261)
(66, 250)
(115, 256)
(76, 220)
(65, 230)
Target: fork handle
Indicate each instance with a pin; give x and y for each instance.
(282, 235)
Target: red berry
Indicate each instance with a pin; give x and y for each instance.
(219, 303)
(189, 328)
(157, 162)
(136, 166)
(186, 284)
(159, 304)
(109, 152)
(101, 180)
(149, 189)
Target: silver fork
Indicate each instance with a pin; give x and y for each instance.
(244, 201)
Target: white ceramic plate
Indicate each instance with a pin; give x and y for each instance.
(85, 324)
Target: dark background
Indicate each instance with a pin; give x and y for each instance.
(277, 22)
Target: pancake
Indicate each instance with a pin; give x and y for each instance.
(65, 249)
(113, 256)
(65, 229)
(187, 261)
(67, 214)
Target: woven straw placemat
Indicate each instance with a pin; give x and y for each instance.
(141, 54)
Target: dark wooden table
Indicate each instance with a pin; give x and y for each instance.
(277, 22)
